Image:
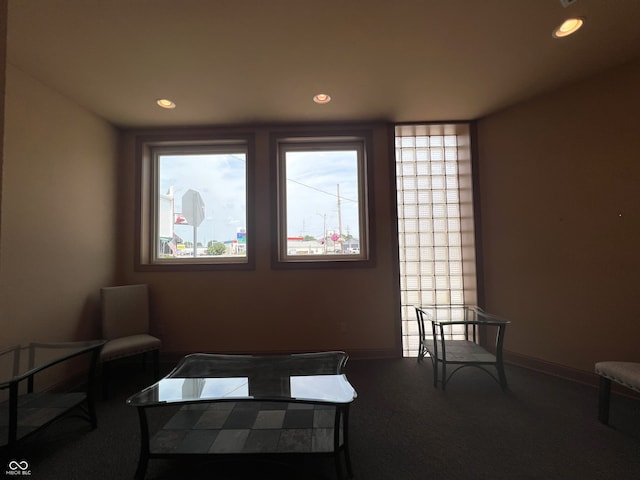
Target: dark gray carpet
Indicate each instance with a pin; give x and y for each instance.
(402, 428)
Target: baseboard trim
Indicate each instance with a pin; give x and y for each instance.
(562, 371)
(550, 368)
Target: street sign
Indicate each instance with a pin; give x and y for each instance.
(193, 207)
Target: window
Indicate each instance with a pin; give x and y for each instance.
(435, 223)
(322, 200)
(194, 204)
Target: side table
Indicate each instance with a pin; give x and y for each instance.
(27, 411)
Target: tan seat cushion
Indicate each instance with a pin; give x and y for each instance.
(624, 373)
(131, 345)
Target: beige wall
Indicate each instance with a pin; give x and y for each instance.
(3, 63)
(560, 206)
(58, 214)
(267, 310)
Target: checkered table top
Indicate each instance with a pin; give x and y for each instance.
(248, 427)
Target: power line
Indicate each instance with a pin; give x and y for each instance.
(339, 197)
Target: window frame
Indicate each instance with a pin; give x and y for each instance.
(147, 150)
(281, 143)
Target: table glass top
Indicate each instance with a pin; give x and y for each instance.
(19, 361)
(200, 377)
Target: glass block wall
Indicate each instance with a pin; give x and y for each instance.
(435, 224)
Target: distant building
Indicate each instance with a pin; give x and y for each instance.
(299, 246)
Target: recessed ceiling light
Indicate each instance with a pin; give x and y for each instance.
(321, 98)
(164, 103)
(569, 26)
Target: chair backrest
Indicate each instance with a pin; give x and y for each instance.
(420, 318)
(125, 311)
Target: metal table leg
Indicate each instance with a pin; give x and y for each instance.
(143, 461)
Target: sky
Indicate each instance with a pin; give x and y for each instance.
(313, 180)
(220, 180)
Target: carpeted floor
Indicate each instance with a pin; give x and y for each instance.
(402, 428)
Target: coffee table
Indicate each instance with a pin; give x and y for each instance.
(27, 410)
(265, 405)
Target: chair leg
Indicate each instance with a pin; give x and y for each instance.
(603, 400)
(156, 365)
(434, 364)
(501, 375)
(105, 380)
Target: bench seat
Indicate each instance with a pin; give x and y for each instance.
(454, 341)
(626, 374)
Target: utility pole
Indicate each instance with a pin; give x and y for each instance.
(324, 232)
(339, 218)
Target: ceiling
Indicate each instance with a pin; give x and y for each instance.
(254, 61)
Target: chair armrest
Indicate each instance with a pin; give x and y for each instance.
(15, 350)
(62, 344)
(471, 322)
